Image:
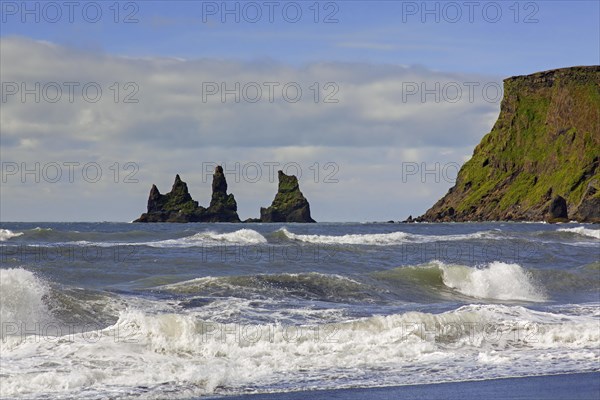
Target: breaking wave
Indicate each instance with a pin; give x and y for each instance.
(498, 281)
(580, 230)
(494, 281)
(385, 239)
(22, 297)
(6, 234)
(242, 237)
(181, 356)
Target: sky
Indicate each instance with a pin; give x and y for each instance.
(373, 104)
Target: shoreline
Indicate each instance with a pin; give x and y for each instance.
(573, 386)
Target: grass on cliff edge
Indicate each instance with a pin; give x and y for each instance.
(518, 150)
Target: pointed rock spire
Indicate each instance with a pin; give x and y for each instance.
(289, 204)
(223, 207)
(154, 200)
(287, 183)
(175, 206)
(180, 190)
(178, 205)
(219, 183)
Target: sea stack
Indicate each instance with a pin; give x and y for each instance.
(289, 204)
(223, 207)
(174, 206)
(541, 160)
(178, 205)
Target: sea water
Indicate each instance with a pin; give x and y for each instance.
(148, 311)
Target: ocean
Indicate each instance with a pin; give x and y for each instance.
(186, 311)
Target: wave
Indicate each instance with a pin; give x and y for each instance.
(6, 234)
(172, 355)
(311, 286)
(22, 297)
(580, 230)
(385, 239)
(29, 304)
(498, 281)
(242, 236)
(50, 235)
(209, 238)
(494, 281)
(372, 239)
(40, 229)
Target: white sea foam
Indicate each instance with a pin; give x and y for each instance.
(385, 239)
(580, 230)
(172, 355)
(21, 298)
(6, 234)
(497, 280)
(241, 236)
(373, 239)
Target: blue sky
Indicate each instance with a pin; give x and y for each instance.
(547, 34)
(369, 50)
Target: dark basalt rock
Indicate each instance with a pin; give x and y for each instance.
(588, 210)
(154, 200)
(223, 207)
(178, 205)
(289, 204)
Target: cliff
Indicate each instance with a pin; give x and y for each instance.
(289, 204)
(542, 154)
(178, 205)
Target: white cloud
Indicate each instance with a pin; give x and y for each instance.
(368, 133)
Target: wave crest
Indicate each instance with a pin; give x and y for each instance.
(6, 234)
(312, 285)
(498, 280)
(580, 230)
(190, 356)
(22, 296)
(494, 281)
(385, 239)
(241, 236)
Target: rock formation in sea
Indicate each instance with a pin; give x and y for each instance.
(178, 205)
(541, 160)
(223, 207)
(289, 204)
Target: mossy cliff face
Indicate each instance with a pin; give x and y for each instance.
(178, 205)
(289, 204)
(545, 144)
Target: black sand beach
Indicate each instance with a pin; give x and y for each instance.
(584, 386)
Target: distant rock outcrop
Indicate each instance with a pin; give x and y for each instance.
(178, 205)
(289, 204)
(223, 207)
(541, 159)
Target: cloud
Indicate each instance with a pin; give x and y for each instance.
(366, 118)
